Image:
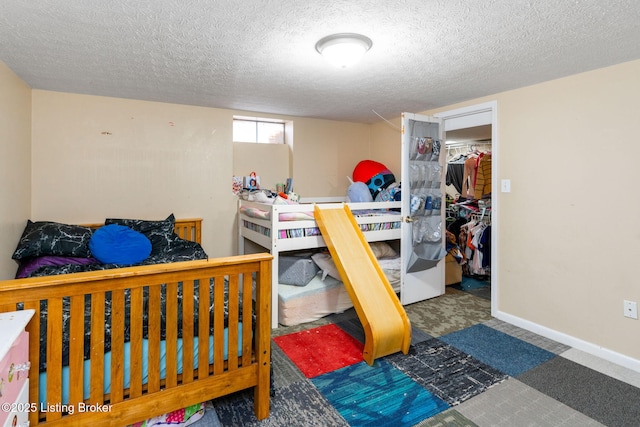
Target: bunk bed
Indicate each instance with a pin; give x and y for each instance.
(103, 339)
(285, 228)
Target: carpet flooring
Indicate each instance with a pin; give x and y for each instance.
(377, 395)
(506, 353)
(446, 371)
(464, 369)
(597, 395)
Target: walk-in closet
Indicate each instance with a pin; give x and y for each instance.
(468, 195)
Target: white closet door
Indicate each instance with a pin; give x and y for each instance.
(423, 208)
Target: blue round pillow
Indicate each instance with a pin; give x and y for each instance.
(117, 244)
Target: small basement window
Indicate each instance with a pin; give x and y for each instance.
(258, 130)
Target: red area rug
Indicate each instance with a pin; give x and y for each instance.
(320, 350)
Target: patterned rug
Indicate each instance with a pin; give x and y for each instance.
(378, 395)
(463, 368)
(319, 374)
(447, 372)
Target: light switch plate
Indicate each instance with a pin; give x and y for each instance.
(630, 309)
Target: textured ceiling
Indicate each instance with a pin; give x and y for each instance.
(258, 55)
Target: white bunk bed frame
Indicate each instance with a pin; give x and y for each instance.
(267, 232)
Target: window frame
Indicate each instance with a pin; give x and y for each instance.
(259, 139)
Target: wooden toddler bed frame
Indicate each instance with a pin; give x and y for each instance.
(240, 357)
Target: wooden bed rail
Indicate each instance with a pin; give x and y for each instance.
(149, 392)
(187, 228)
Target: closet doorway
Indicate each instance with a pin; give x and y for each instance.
(470, 134)
(468, 208)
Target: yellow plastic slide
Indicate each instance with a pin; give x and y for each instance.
(386, 325)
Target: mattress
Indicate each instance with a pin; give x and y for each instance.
(321, 297)
(145, 366)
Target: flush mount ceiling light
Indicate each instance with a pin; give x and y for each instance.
(344, 49)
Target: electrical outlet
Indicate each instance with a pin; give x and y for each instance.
(631, 309)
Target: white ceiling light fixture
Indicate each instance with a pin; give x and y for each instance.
(344, 49)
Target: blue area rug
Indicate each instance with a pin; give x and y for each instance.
(377, 395)
(497, 349)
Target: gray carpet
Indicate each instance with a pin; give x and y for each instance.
(284, 371)
(298, 404)
(514, 404)
(449, 418)
(210, 418)
(605, 399)
(527, 336)
(450, 312)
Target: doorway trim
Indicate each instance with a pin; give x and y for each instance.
(485, 113)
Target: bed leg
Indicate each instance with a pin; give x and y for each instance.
(262, 391)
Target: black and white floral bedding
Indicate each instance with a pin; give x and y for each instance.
(176, 250)
(49, 248)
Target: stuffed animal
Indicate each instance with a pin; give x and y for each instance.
(359, 192)
(375, 175)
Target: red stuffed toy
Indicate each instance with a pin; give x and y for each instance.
(375, 175)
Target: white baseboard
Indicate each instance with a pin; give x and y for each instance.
(587, 347)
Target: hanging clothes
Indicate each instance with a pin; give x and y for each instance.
(485, 248)
(482, 186)
(474, 239)
(455, 173)
(476, 236)
(468, 178)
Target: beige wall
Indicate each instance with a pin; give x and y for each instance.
(325, 153)
(568, 245)
(96, 157)
(269, 161)
(15, 165)
(386, 143)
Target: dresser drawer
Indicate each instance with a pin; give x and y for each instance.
(14, 372)
(19, 415)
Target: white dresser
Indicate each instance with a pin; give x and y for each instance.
(14, 368)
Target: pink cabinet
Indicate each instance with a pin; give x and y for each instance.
(18, 415)
(14, 367)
